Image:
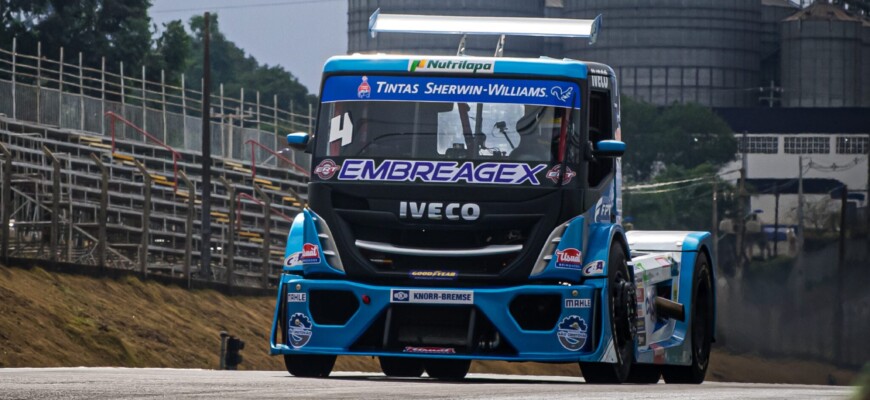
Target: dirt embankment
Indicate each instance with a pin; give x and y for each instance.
(49, 320)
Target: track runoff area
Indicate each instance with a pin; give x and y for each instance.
(121, 383)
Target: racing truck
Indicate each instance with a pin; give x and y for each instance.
(469, 208)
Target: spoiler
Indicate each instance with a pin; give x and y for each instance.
(505, 26)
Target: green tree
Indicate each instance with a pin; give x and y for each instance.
(684, 135)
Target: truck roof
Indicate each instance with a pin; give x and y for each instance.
(544, 66)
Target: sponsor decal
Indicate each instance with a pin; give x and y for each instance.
(430, 350)
(431, 296)
(594, 268)
(297, 297)
(600, 82)
(293, 260)
(663, 261)
(578, 303)
(434, 275)
(572, 332)
(451, 89)
(438, 172)
(438, 211)
(553, 174)
(364, 90)
(569, 258)
(299, 330)
(562, 93)
(435, 65)
(310, 254)
(326, 169)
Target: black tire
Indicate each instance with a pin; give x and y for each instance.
(701, 328)
(309, 365)
(645, 374)
(401, 367)
(448, 370)
(622, 311)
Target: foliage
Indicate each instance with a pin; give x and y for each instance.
(684, 135)
(687, 206)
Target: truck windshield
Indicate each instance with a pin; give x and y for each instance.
(445, 118)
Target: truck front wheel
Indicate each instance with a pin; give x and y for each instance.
(701, 329)
(401, 367)
(309, 365)
(622, 311)
(445, 369)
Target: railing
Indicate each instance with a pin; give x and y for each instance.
(255, 200)
(254, 143)
(175, 155)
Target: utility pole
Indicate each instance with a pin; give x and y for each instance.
(715, 221)
(741, 199)
(800, 210)
(205, 224)
(776, 222)
(841, 265)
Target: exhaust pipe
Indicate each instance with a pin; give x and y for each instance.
(669, 309)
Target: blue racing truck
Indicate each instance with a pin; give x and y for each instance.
(468, 208)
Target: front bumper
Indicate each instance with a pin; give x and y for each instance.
(579, 332)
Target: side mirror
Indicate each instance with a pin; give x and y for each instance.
(298, 140)
(609, 149)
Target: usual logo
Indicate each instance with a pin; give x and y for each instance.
(438, 211)
(553, 174)
(310, 253)
(569, 258)
(435, 65)
(364, 90)
(430, 350)
(578, 303)
(299, 330)
(431, 296)
(326, 169)
(594, 268)
(572, 333)
(297, 297)
(434, 275)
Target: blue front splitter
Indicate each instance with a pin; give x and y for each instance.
(538, 345)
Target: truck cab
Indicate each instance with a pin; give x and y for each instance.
(470, 208)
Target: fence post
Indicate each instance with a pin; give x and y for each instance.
(267, 239)
(310, 118)
(81, 93)
(60, 91)
(275, 121)
(183, 112)
(146, 219)
(231, 230)
(188, 243)
(38, 82)
(103, 95)
(14, 64)
(55, 202)
(104, 204)
(163, 102)
(841, 266)
(292, 116)
(223, 136)
(6, 211)
(144, 107)
(123, 95)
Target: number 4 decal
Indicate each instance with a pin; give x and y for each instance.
(341, 128)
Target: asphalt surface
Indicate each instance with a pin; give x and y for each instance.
(132, 383)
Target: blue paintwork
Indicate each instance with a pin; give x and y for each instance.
(300, 139)
(302, 231)
(610, 148)
(379, 63)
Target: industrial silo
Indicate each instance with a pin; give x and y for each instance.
(360, 41)
(772, 13)
(821, 57)
(664, 51)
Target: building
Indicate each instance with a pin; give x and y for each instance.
(734, 53)
(830, 143)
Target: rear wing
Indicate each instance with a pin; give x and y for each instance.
(503, 26)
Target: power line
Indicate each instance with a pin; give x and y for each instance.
(238, 6)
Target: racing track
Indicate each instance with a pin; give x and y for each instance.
(120, 383)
